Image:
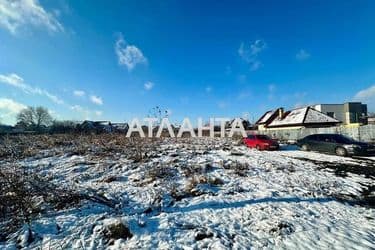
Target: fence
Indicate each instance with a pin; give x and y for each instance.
(362, 133)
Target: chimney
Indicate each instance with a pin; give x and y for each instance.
(281, 113)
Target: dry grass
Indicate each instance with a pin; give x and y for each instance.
(238, 168)
(23, 146)
(24, 193)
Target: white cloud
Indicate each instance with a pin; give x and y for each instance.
(302, 55)
(96, 99)
(81, 112)
(11, 105)
(367, 96)
(257, 47)
(13, 79)
(84, 113)
(76, 108)
(18, 82)
(250, 53)
(15, 14)
(9, 109)
(53, 113)
(79, 93)
(53, 98)
(128, 55)
(148, 85)
(242, 52)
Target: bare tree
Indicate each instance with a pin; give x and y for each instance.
(34, 117)
(158, 113)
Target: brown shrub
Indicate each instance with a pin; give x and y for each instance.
(24, 194)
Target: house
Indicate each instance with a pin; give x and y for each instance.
(348, 113)
(268, 117)
(95, 126)
(120, 127)
(306, 117)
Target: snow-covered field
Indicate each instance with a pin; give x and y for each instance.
(208, 193)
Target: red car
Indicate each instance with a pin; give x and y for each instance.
(261, 142)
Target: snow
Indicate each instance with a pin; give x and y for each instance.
(281, 199)
(314, 116)
(302, 116)
(293, 117)
(266, 117)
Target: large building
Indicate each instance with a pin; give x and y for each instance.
(348, 113)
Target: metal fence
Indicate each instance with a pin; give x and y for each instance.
(362, 133)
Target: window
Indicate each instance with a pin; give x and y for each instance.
(344, 139)
(252, 137)
(353, 117)
(331, 114)
(331, 138)
(326, 138)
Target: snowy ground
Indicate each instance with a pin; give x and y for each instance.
(211, 193)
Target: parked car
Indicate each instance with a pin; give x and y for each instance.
(261, 142)
(335, 144)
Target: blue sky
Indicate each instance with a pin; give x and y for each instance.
(117, 60)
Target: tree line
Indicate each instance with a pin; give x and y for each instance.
(39, 119)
